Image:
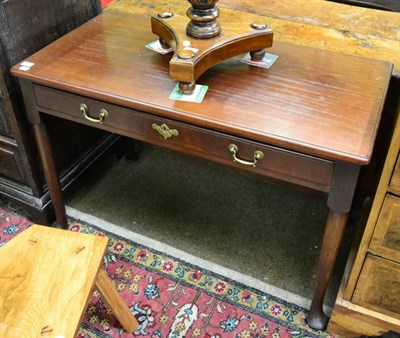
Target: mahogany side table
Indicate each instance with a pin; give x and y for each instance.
(313, 115)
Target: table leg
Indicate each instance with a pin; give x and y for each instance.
(53, 182)
(344, 181)
(45, 153)
(334, 231)
(114, 300)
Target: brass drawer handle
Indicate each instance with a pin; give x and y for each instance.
(85, 111)
(258, 155)
(164, 130)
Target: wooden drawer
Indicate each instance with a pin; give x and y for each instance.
(395, 180)
(386, 237)
(278, 163)
(378, 287)
(9, 161)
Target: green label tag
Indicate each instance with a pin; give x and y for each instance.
(197, 96)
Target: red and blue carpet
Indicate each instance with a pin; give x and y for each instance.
(171, 297)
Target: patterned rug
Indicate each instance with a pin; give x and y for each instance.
(173, 298)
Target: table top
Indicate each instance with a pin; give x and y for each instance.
(312, 101)
(319, 24)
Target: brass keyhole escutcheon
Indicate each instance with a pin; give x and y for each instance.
(165, 131)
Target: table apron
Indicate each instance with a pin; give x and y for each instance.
(282, 164)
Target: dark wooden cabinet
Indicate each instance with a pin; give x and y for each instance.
(25, 27)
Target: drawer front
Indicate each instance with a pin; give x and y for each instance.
(378, 287)
(386, 237)
(9, 162)
(395, 180)
(279, 163)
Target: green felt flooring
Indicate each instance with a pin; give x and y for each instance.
(262, 228)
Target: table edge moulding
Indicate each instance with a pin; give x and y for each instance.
(304, 112)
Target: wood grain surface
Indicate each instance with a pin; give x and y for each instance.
(285, 165)
(46, 276)
(350, 320)
(313, 23)
(385, 241)
(378, 286)
(115, 302)
(394, 185)
(307, 101)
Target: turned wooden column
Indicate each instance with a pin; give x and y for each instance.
(203, 22)
(203, 41)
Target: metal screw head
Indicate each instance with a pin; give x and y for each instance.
(258, 26)
(165, 15)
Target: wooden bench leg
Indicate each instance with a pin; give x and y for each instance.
(113, 299)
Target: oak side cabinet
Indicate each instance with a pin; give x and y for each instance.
(25, 27)
(368, 302)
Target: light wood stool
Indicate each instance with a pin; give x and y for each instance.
(46, 277)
